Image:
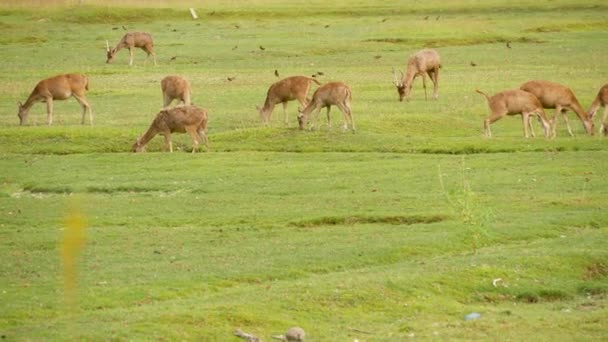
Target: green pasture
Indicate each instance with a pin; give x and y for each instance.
(395, 232)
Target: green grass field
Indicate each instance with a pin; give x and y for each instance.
(395, 232)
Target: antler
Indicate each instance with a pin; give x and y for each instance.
(107, 46)
(396, 81)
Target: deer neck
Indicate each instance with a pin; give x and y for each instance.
(33, 98)
(409, 76)
(150, 133)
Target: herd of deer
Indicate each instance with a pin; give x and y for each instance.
(529, 100)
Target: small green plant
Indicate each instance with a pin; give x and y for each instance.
(467, 206)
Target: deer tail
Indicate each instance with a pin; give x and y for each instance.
(484, 94)
(86, 83)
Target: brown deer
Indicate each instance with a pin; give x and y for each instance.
(555, 95)
(333, 93)
(175, 88)
(60, 87)
(283, 91)
(423, 62)
(142, 40)
(600, 100)
(512, 102)
(182, 119)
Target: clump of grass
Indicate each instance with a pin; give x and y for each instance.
(352, 220)
(472, 213)
(119, 189)
(47, 189)
(434, 43)
(596, 270)
(543, 295)
(582, 26)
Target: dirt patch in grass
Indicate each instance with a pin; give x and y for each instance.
(582, 26)
(120, 189)
(544, 295)
(47, 189)
(353, 220)
(9, 39)
(595, 270)
(434, 43)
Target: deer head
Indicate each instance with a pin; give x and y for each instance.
(402, 89)
(21, 113)
(137, 146)
(110, 53)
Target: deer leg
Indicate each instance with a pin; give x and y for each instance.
(531, 126)
(565, 117)
(559, 110)
(436, 83)
(193, 133)
(285, 117)
(130, 56)
(604, 124)
(203, 136)
(49, 110)
(85, 107)
(328, 118)
(526, 121)
(431, 74)
(495, 116)
(424, 85)
(168, 142)
(347, 116)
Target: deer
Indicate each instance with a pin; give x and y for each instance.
(283, 91)
(600, 100)
(555, 95)
(424, 62)
(182, 119)
(60, 87)
(513, 102)
(175, 88)
(334, 93)
(142, 40)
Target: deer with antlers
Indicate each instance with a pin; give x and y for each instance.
(283, 91)
(330, 94)
(60, 87)
(182, 119)
(513, 102)
(176, 88)
(424, 62)
(600, 100)
(131, 40)
(555, 95)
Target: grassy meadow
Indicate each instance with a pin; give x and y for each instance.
(395, 232)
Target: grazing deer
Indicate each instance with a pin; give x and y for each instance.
(60, 87)
(600, 100)
(182, 119)
(283, 91)
(512, 102)
(175, 87)
(333, 93)
(423, 62)
(142, 40)
(555, 95)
